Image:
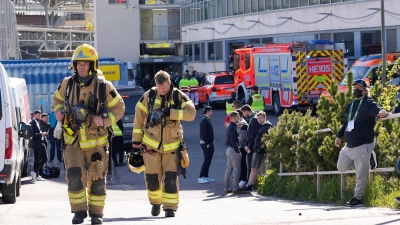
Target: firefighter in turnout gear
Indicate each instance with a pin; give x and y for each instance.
(88, 105)
(256, 101)
(194, 90)
(158, 131)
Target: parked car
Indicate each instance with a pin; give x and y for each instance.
(216, 88)
(11, 149)
(131, 96)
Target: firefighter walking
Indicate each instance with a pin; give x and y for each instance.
(194, 90)
(158, 132)
(87, 104)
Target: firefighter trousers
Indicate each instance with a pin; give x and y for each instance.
(76, 163)
(161, 179)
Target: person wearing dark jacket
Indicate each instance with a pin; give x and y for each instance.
(358, 132)
(252, 132)
(233, 156)
(206, 144)
(258, 149)
(147, 83)
(118, 144)
(38, 148)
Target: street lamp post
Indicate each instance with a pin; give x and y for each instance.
(383, 41)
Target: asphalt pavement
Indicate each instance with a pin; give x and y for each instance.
(46, 202)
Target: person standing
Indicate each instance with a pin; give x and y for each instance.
(233, 156)
(147, 83)
(256, 101)
(358, 132)
(38, 148)
(118, 144)
(44, 127)
(88, 105)
(184, 85)
(206, 144)
(194, 90)
(252, 132)
(176, 79)
(55, 143)
(158, 131)
(258, 150)
(229, 107)
(242, 131)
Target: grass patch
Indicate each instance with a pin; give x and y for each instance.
(381, 191)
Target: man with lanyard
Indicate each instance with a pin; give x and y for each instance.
(206, 144)
(358, 132)
(252, 131)
(55, 143)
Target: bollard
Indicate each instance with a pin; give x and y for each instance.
(318, 181)
(341, 186)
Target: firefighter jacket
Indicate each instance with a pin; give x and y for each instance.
(89, 135)
(258, 102)
(166, 136)
(193, 85)
(184, 85)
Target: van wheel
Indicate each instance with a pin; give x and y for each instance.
(10, 198)
(276, 104)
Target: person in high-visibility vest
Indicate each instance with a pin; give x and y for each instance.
(229, 104)
(194, 90)
(118, 144)
(184, 85)
(256, 101)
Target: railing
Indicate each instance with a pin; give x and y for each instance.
(342, 180)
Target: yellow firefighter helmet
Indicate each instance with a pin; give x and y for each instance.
(136, 162)
(85, 52)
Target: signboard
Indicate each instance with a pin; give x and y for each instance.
(110, 72)
(319, 66)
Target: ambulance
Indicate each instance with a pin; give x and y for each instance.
(289, 75)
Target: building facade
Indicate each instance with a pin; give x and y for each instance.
(210, 30)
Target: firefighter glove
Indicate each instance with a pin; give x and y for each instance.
(92, 172)
(185, 158)
(100, 169)
(58, 130)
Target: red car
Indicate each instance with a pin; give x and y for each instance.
(216, 88)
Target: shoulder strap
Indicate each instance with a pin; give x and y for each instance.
(175, 97)
(150, 104)
(102, 92)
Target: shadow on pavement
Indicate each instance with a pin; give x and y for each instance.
(389, 222)
(120, 219)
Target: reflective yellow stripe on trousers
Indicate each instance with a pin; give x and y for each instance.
(170, 198)
(154, 194)
(97, 200)
(77, 198)
(171, 146)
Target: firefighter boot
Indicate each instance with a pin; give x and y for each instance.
(155, 210)
(97, 220)
(169, 213)
(79, 217)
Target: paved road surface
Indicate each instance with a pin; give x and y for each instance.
(47, 202)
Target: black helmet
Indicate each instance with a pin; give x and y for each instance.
(135, 162)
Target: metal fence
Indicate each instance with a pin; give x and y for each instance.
(342, 178)
(9, 46)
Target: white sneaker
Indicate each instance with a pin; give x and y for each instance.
(39, 178)
(33, 174)
(202, 180)
(209, 179)
(242, 184)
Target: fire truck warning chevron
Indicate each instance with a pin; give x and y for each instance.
(289, 75)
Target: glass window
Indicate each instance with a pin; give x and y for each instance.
(197, 52)
(267, 40)
(294, 3)
(268, 5)
(198, 12)
(211, 51)
(203, 51)
(304, 2)
(236, 62)
(230, 8)
(219, 50)
(223, 80)
(146, 27)
(254, 6)
(254, 41)
(247, 61)
(277, 4)
(347, 38)
(235, 7)
(173, 25)
(391, 40)
(325, 1)
(241, 6)
(206, 16)
(117, 1)
(285, 4)
(371, 42)
(219, 8)
(261, 5)
(247, 6)
(326, 36)
(314, 2)
(336, 1)
(210, 10)
(358, 73)
(189, 52)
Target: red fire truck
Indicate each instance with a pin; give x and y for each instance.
(289, 75)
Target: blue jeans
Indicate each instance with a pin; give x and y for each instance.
(55, 144)
(398, 165)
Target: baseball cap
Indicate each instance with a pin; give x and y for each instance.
(206, 109)
(361, 82)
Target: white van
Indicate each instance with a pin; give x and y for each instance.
(11, 153)
(23, 112)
